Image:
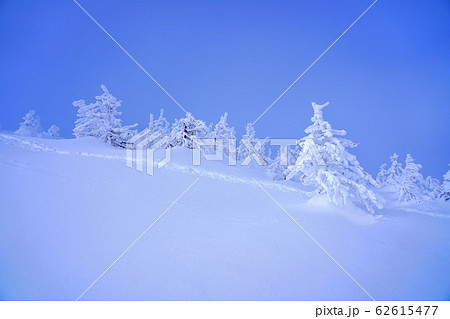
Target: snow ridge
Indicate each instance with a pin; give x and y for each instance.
(33, 145)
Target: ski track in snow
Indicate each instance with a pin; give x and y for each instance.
(33, 146)
(195, 170)
(232, 178)
(422, 211)
(37, 147)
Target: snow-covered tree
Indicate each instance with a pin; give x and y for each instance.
(31, 125)
(88, 119)
(274, 169)
(53, 131)
(160, 124)
(446, 187)
(412, 183)
(432, 188)
(224, 132)
(186, 129)
(394, 172)
(99, 120)
(111, 130)
(277, 168)
(243, 151)
(382, 175)
(325, 163)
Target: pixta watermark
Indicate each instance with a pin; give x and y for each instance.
(141, 148)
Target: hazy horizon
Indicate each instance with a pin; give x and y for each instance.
(386, 79)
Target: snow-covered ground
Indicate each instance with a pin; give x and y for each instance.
(69, 208)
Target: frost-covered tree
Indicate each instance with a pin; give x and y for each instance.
(325, 163)
(432, 188)
(382, 175)
(224, 132)
(111, 130)
(394, 172)
(446, 187)
(412, 183)
(274, 169)
(87, 123)
(31, 125)
(243, 151)
(184, 130)
(278, 168)
(99, 119)
(160, 124)
(53, 131)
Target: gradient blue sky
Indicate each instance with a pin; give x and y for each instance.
(387, 79)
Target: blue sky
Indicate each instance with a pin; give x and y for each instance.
(387, 79)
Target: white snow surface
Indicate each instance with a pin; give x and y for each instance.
(70, 207)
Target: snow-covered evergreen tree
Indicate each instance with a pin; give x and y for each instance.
(243, 151)
(325, 163)
(394, 173)
(111, 130)
(161, 124)
(412, 183)
(53, 131)
(224, 132)
(274, 169)
(87, 123)
(277, 168)
(99, 120)
(31, 125)
(446, 187)
(186, 129)
(382, 175)
(432, 188)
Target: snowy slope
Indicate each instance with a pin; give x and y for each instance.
(69, 208)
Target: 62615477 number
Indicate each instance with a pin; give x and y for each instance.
(406, 310)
